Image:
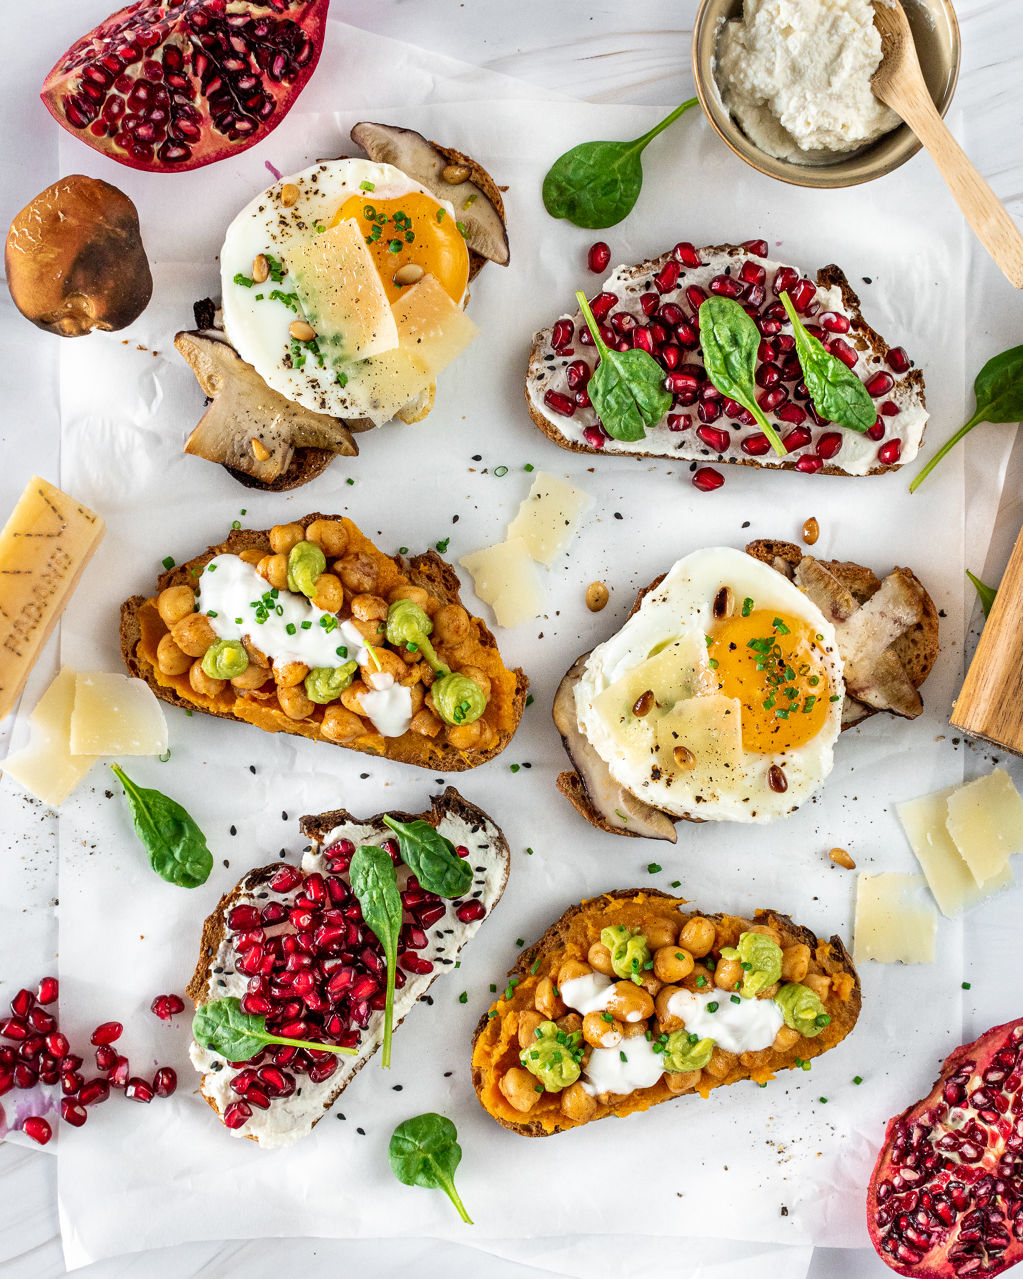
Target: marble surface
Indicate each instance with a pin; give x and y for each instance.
(605, 53)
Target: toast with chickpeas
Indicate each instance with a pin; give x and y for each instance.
(307, 628)
(631, 999)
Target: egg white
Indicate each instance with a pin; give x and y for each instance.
(258, 330)
(682, 608)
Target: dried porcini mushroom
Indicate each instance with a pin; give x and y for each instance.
(75, 259)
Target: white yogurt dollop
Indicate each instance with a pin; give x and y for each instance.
(745, 1027)
(633, 1064)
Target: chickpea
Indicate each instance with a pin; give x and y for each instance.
(256, 658)
(274, 568)
(251, 556)
(795, 962)
(528, 1022)
(659, 932)
(284, 536)
(634, 1029)
(294, 702)
(697, 936)
(194, 634)
(577, 1104)
(340, 725)
(478, 677)
(371, 632)
(767, 931)
(600, 1033)
(418, 695)
(488, 736)
(350, 698)
(416, 594)
(721, 1063)
(692, 982)
(169, 658)
(174, 603)
(426, 724)
(672, 964)
(650, 984)
(570, 970)
(369, 608)
(571, 1023)
(464, 737)
(252, 677)
(769, 992)
(666, 1019)
(201, 682)
(358, 572)
(288, 674)
(330, 594)
(519, 1089)
(682, 1081)
(426, 674)
(629, 1003)
(390, 664)
(330, 535)
(451, 624)
(727, 974)
(545, 1001)
(819, 984)
(756, 1060)
(785, 1039)
(599, 959)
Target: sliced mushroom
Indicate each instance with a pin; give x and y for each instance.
(423, 161)
(248, 426)
(614, 808)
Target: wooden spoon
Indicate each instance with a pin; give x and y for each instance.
(899, 83)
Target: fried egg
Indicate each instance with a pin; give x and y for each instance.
(314, 276)
(721, 697)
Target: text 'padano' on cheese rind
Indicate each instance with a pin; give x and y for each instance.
(893, 923)
(45, 767)
(985, 819)
(116, 715)
(341, 292)
(504, 576)
(549, 516)
(949, 877)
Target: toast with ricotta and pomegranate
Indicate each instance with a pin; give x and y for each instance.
(654, 306)
(279, 910)
(631, 999)
(307, 628)
(723, 695)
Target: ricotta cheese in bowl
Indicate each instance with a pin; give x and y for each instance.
(795, 75)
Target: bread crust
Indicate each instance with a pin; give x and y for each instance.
(545, 956)
(827, 277)
(427, 570)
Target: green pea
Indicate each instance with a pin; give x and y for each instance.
(681, 1054)
(305, 564)
(629, 952)
(457, 699)
(761, 961)
(553, 1056)
(225, 659)
(801, 1009)
(325, 684)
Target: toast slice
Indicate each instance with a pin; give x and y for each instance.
(345, 1004)
(369, 580)
(566, 951)
(661, 297)
(901, 667)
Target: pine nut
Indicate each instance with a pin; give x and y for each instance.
(777, 780)
(289, 194)
(410, 273)
(643, 704)
(259, 450)
(684, 757)
(811, 531)
(301, 331)
(455, 173)
(723, 602)
(597, 596)
(260, 268)
(841, 858)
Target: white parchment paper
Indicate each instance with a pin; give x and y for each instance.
(778, 1165)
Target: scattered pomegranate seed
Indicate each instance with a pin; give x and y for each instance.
(57, 1044)
(48, 990)
(708, 411)
(802, 295)
(289, 877)
(559, 403)
(165, 1081)
(24, 1075)
(242, 917)
(598, 257)
(6, 1080)
(119, 1074)
(686, 254)
(138, 1090)
(890, 452)
(107, 1033)
(759, 248)
(73, 1112)
(810, 463)
(880, 384)
(71, 1062)
(13, 1028)
(643, 340)
(22, 1002)
(236, 1114)
(898, 360)
(771, 400)
(889, 409)
(753, 272)
(706, 479)
(70, 1083)
(167, 1006)
(93, 1091)
(38, 1129)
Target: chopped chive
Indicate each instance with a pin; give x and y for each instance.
(735, 999)
(857, 1079)
(966, 985)
(528, 466)
(463, 998)
(168, 561)
(500, 471)
(529, 699)
(653, 869)
(443, 545)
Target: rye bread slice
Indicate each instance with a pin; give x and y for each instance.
(460, 821)
(547, 365)
(428, 571)
(569, 937)
(917, 649)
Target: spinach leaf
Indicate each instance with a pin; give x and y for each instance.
(596, 184)
(239, 1036)
(375, 884)
(985, 593)
(627, 387)
(432, 858)
(424, 1151)
(837, 393)
(730, 340)
(175, 844)
(999, 394)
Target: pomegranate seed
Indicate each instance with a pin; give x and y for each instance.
(685, 253)
(622, 322)
(242, 918)
(679, 421)
(236, 1114)
(71, 1062)
(559, 403)
(799, 437)
(48, 990)
(670, 357)
(39, 1019)
(713, 437)
(22, 1002)
(138, 1090)
(679, 383)
(811, 463)
(758, 248)
(70, 1083)
(13, 1028)
(107, 1033)
(802, 294)
(890, 452)
(695, 296)
(287, 878)
(165, 1081)
(785, 280)
(643, 340)
(578, 374)
(120, 1072)
(257, 1097)
(834, 322)
(667, 277)
(594, 437)
(414, 963)
(708, 411)
(768, 375)
(706, 479)
(790, 369)
(898, 360)
(6, 1080)
(829, 445)
(93, 1091)
(649, 302)
(753, 272)
(769, 328)
(792, 414)
(25, 1076)
(732, 409)
(468, 912)
(38, 1129)
(889, 408)
(686, 336)
(57, 1044)
(880, 384)
(771, 400)
(598, 257)
(167, 1006)
(725, 287)
(843, 351)
(73, 1112)
(562, 335)
(602, 306)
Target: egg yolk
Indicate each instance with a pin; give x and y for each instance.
(775, 667)
(410, 230)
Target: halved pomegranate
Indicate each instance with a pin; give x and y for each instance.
(946, 1196)
(176, 84)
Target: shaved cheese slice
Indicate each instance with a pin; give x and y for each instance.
(504, 576)
(46, 768)
(549, 516)
(985, 818)
(890, 926)
(341, 292)
(671, 674)
(116, 715)
(948, 875)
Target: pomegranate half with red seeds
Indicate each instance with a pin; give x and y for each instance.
(946, 1195)
(176, 84)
